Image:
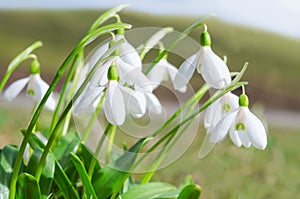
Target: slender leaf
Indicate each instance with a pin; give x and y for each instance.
(149, 191)
(8, 157)
(191, 191)
(64, 184)
(27, 187)
(89, 189)
(47, 176)
(107, 15)
(110, 179)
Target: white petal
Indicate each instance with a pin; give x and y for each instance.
(26, 155)
(40, 88)
(234, 137)
(129, 54)
(98, 53)
(214, 70)
(172, 71)
(232, 100)
(244, 138)
(114, 104)
(135, 101)
(212, 114)
(158, 74)
(15, 88)
(255, 130)
(133, 76)
(222, 128)
(100, 76)
(153, 103)
(88, 100)
(41, 137)
(186, 71)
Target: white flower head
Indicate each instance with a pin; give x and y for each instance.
(219, 109)
(36, 88)
(244, 128)
(212, 68)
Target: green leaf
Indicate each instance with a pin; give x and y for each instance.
(109, 180)
(27, 187)
(191, 191)
(66, 144)
(34, 141)
(107, 15)
(89, 189)
(86, 156)
(149, 191)
(47, 176)
(8, 157)
(64, 184)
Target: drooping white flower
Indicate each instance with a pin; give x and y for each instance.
(163, 71)
(36, 88)
(244, 128)
(219, 109)
(128, 53)
(212, 68)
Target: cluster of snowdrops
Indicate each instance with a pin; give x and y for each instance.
(114, 81)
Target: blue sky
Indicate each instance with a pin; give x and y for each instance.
(281, 16)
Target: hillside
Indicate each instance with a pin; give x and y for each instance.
(274, 61)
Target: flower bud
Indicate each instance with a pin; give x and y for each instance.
(34, 67)
(243, 100)
(205, 39)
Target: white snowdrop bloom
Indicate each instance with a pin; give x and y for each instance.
(212, 68)
(244, 128)
(163, 71)
(217, 110)
(128, 53)
(120, 101)
(36, 88)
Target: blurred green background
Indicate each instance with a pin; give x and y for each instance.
(228, 172)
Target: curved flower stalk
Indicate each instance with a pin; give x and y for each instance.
(36, 87)
(212, 68)
(244, 128)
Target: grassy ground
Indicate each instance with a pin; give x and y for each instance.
(274, 61)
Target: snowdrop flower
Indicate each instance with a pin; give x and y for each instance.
(213, 69)
(244, 128)
(163, 71)
(127, 53)
(36, 87)
(121, 100)
(219, 109)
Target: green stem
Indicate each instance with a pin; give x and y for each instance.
(60, 72)
(13, 65)
(63, 91)
(185, 33)
(110, 143)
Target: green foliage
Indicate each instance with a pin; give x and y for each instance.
(27, 187)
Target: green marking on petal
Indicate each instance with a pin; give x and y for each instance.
(226, 108)
(30, 92)
(240, 126)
